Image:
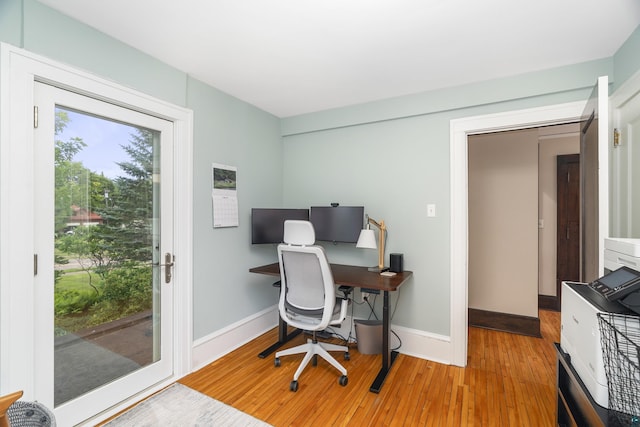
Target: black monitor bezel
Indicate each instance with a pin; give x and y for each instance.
(278, 215)
(329, 232)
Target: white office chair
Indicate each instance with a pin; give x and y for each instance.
(308, 297)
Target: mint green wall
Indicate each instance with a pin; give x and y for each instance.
(532, 85)
(234, 133)
(64, 39)
(395, 168)
(627, 59)
(393, 157)
(11, 22)
(225, 129)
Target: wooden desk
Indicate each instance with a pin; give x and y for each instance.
(357, 277)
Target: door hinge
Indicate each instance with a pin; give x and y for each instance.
(616, 137)
(35, 264)
(35, 116)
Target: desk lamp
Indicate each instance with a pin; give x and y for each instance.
(367, 240)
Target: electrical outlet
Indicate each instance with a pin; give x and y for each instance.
(365, 296)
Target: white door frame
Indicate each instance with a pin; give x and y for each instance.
(19, 69)
(628, 91)
(460, 129)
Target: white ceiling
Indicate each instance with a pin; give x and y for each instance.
(290, 57)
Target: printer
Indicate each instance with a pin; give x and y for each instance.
(581, 303)
(619, 252)
(580, 335)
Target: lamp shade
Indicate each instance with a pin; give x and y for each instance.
(367, 239)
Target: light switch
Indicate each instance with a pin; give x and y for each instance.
(431, 210)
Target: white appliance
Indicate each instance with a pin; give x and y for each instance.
(619, 252)
(580, 338)
(580, 332)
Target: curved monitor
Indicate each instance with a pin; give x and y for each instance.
(339, 224)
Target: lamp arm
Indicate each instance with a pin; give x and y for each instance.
(379, 225)
(382, 227)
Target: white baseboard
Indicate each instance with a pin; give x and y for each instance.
(213, 346)
(416, 343)
(412, 342)
(421, 344)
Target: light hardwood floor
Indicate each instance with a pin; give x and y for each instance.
(510, 380)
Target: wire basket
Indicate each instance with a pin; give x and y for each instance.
(620, 338)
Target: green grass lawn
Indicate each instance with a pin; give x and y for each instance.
(73, 289)
(78, 280)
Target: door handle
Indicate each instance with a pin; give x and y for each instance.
(169, 261)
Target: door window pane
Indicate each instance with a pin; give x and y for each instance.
(106, 243)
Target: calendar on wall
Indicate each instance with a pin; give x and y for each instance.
(224, 195)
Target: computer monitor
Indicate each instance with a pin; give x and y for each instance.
(338, 224)
(267, 224)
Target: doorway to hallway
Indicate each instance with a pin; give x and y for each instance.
(512, 210)
(461, 129)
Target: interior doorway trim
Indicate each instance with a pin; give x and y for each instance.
(460, 129)
(625, 93)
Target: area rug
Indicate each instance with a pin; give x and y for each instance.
(179, 405)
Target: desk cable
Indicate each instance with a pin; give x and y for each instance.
(395, 307)
(371, 306)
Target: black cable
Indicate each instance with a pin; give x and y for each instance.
(395, 307)
(335, 334)
(351, 324)
(372, 307)
(399, 341)
(392, 313)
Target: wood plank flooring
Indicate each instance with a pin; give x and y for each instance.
(510, 380)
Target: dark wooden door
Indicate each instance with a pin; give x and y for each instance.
(568, 228)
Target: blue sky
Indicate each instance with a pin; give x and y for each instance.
(103, 139)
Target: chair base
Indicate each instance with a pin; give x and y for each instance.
(312, 349)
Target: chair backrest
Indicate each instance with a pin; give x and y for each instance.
(307, 294)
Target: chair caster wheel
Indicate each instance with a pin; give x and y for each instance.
(347, 356)
(276, 362)
(293, 386)
(343, 380)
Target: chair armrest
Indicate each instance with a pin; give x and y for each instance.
(343, 309)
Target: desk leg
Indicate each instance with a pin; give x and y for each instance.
(282, 338)
(388, 356)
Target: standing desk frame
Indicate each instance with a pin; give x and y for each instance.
(355, 277)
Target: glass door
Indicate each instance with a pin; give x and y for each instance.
(103, 236)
